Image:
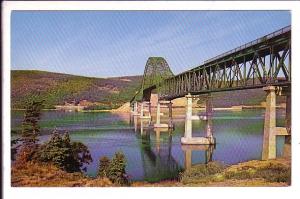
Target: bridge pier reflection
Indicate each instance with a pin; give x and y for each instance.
(158, 132)
(188, 149)
(144, 126)
(188, 138)
(157, 159)
(270, 128)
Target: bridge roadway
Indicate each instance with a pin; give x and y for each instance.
(263, 62)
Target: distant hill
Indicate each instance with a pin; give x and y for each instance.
(58, 88)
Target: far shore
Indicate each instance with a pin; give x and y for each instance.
(232, 108)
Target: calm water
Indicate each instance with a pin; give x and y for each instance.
(155, 156)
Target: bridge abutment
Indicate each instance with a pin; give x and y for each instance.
(188, 138)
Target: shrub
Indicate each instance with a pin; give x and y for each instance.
(272, 172)
(201, 173)
(67, 155)
(275, 173)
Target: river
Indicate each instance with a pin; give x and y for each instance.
(154, 156)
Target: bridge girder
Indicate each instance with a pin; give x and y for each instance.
(265, 61)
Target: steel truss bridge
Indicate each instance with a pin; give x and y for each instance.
(259, 63)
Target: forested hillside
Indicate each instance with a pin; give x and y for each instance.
(57, 88)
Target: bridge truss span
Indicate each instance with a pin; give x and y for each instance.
(262, 62)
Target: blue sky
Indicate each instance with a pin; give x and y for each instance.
(118, 43)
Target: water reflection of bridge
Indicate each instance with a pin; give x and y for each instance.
(156, 151)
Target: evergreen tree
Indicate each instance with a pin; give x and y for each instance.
(116, 172)
(104, 164)
(30, 130)
(30, 127)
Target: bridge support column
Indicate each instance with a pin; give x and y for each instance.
(270, 129)
(287, 141)
(158, 114)
(188, 138)
(158, 123)
(188, 117)
(142, 115)
(209, 111)
(135, 108)
(142, 110)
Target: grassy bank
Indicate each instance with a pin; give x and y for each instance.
(253, 173)
(47, 175)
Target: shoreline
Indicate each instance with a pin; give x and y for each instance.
(233, 108)
(252, 173)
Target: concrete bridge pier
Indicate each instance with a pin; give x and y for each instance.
(188, 138)
(270, 128)
(135, 109)
(158, 123)
(143, 110)
(287, 141)
(209, 113)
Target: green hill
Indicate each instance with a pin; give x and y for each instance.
(58, 88)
